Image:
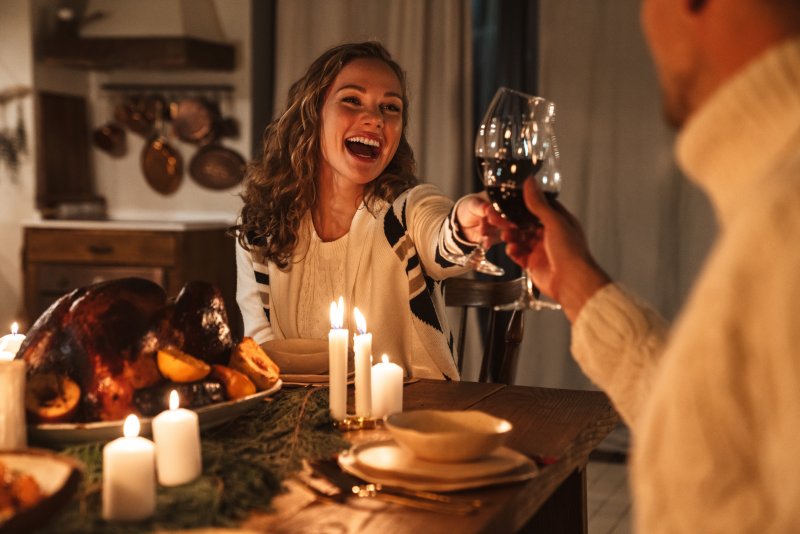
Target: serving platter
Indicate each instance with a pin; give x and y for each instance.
(210, 416)
(57, 476)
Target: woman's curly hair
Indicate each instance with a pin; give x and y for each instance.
(281, 185)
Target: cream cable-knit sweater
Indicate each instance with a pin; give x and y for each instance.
(715, 405)
(392, 273)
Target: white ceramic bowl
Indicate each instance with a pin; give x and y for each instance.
(299, 356)
(448, 436)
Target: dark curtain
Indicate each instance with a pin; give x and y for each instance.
(263, 69)
(505, 52)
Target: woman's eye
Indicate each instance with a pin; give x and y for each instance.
(351, 100)
(393, 108)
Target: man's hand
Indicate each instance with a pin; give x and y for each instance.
(555, 254)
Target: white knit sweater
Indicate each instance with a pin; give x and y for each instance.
(715, 405)
(392, 274)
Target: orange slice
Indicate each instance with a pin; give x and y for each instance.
(237, 384)
(178, 366)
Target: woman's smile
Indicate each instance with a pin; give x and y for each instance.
(363, 147)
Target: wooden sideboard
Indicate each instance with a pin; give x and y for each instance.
(60, 256)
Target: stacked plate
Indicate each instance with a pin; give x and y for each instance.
(301, 361)
(386, 463)
(436, 450)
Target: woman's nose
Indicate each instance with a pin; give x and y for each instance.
(373, 116)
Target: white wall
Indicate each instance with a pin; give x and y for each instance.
(119, 180)
(16, 189)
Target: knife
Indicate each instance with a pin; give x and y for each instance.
(352, 485)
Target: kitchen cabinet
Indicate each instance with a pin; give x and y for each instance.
(60, 256)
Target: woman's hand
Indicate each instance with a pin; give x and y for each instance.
(475, 215)
(556, 254)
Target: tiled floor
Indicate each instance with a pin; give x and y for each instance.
(609, 505)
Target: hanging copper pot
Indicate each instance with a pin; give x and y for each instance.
(194, 120)
(110, 138)
(139, 113)
(162, 164)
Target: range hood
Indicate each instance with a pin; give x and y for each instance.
(146, 34)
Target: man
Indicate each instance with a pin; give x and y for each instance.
(713, 402)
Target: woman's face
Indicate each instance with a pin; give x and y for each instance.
(362, 122)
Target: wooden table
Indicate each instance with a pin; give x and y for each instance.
(556, 427)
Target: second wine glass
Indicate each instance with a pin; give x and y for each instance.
(516, 141)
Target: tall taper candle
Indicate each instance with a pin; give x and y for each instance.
(337, 361)
(362, 348)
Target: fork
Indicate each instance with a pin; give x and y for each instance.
(351, 485)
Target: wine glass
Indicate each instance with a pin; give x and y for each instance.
(515, 141)
(476, 259)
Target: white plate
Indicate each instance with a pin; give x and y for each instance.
(210, 416)
(388, 458)
(311, 380)
(57, 476)
(298, 356)
(348, 463)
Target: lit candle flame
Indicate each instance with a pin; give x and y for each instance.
(361, 323)
(131, 427)
(174, 401)
(337, 314)
(385, 358)
(14, 328)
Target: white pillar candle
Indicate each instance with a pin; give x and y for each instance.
(387, 388)
(11, 342)
(362, 349)
(13, 434)
(177, 435)
(338, 338)
(129, 475)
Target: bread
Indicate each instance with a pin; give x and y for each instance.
(249, 358)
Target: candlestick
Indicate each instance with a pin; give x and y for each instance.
(177, 435)
(362, 348)
(11, 342)
(13, 435)
(129, 486)
(387, 388)
(338, 339)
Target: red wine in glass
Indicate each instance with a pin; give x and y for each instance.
(503, 183)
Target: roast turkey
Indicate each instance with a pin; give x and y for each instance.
(105, 338)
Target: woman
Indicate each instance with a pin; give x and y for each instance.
(333, 208)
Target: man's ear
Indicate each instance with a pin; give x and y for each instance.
(696, 5)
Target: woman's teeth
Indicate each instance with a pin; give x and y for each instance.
(363, 147)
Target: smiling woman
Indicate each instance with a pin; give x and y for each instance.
(333, 208)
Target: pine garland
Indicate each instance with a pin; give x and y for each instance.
(244, 462)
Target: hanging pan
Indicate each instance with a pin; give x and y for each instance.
(111, 138)
(194, 120)
(162, 164)
(217, 167)
(139, 113)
